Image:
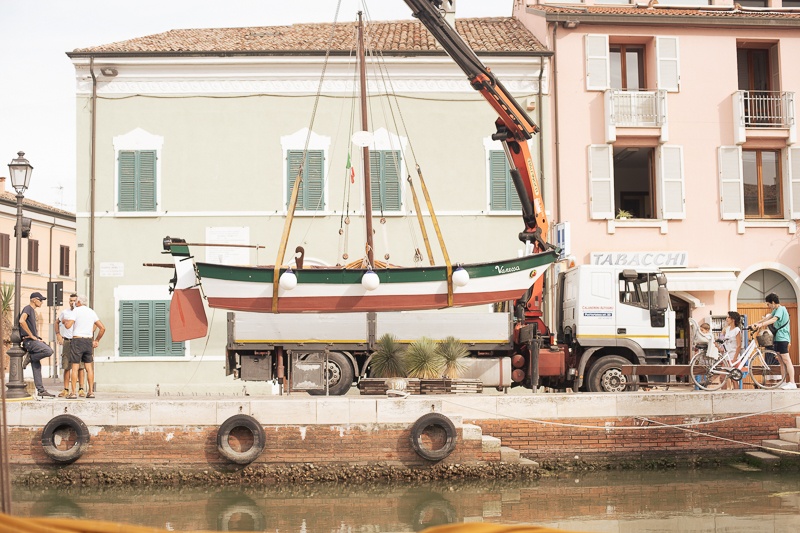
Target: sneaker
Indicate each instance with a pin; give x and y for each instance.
(788, 386)
(26, 360)
(64, 393)
(81, 393)
(45, 394)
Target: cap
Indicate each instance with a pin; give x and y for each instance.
(38, 295)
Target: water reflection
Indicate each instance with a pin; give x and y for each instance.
(724, 500)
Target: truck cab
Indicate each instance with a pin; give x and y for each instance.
(613, 316)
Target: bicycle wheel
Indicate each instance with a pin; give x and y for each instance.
(707, 373)
(763, 368)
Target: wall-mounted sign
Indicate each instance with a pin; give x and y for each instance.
(641, 259)
(112, 270)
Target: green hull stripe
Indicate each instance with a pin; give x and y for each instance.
(391, 275)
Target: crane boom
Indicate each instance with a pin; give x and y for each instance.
(514, 126)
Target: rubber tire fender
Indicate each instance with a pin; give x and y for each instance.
(49, 435)
(436, 420)
(224, 432)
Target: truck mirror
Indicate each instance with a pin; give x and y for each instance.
(662, 298)
(662, 280)
(629, 274)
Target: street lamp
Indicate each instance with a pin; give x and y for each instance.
(20, 170)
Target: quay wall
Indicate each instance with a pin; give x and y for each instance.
(181, 432)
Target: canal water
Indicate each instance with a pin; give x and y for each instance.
(709, 500)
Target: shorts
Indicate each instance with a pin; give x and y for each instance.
(781, 346)
(81, 351)
(66, 364)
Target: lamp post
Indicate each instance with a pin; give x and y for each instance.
(20, 170)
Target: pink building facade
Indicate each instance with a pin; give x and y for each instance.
(673, 142)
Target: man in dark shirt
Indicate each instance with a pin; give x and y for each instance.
(32, 343)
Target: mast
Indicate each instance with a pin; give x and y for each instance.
(362, 71)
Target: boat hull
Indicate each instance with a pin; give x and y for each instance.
(328, 290)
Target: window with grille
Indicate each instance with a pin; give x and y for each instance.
(137, 180)
(144, 329)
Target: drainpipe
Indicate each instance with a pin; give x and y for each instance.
(555, 126)
(92, 182)
(53, 367)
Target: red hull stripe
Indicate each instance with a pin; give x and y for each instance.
(347, 304)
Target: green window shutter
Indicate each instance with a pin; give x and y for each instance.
(385, 180)
(127, 181)
(390, 180)
(145, 331)
(127, 324)
(147, 180)
(504, 196)
(314, 181)
(310, 197)
(137, 180)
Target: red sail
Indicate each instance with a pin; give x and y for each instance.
(187, 316)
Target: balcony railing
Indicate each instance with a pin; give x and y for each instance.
(637, 109)
(766, 109)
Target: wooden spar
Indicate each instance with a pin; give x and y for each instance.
(362, 70)
(287, 228)
(439, 236)
(421, 221)
(257, 246)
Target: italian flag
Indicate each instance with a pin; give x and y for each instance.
(351, 169)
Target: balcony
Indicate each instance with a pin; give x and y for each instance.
(639, 110)
(764, 114)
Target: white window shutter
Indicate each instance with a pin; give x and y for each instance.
(601, 181)
(668, 58)
(672, 203)
(731, 185)
(794, 183)
(598, 69)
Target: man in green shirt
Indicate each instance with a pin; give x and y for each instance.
(780, 318)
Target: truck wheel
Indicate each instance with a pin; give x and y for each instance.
(606, 375)
(339, 374)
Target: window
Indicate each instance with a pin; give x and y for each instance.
(503, 195)
(648, 182)
(311, 196)
(791, 3)
(758, 74)
(137, 180)
(762, 184)
(5, 254)
(753, 3)
(385, 174)
(622, 66)
(144, 329)
(627, 67)
(33, 255)
(63, 261)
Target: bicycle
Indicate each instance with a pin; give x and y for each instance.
(760, 364)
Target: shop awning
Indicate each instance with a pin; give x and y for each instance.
(700, 279)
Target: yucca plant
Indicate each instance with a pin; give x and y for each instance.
(388, 359)
(422, 359)
(453, 352)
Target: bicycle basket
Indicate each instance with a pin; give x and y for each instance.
(764, 338)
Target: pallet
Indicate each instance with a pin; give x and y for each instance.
(379, 386)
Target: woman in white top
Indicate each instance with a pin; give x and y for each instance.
(732, 339)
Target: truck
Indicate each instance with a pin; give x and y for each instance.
(608, 317)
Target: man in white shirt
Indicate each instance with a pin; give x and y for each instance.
(83, 324)
(64, 338)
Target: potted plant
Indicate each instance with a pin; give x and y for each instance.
(622, 214)
(388, 358)
(423, 361)
(452, 352)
